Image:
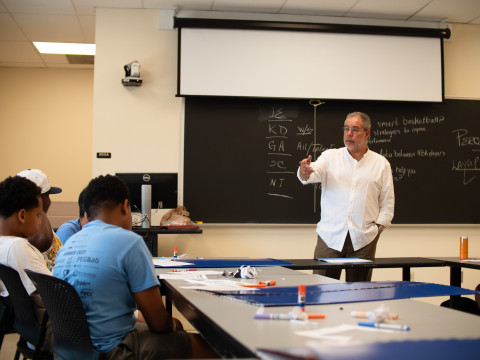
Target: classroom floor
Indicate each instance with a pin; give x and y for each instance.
(9, 347)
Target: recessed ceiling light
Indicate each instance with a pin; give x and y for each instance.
(65, 48)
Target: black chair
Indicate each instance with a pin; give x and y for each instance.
(25, 321)
(6, 320)
(463, 304)
(67, 315)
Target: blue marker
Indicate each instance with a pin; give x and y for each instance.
(385, 326)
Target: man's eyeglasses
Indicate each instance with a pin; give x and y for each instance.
(354, 129)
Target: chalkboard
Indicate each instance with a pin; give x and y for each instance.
(241, 157)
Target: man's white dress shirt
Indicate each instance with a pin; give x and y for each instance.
(356, 196)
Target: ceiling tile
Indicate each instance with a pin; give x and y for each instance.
(255, 6)
(386, 9)
(316, 7)
(39, 6)
(200, 5)
(22, 64)
(18, 51)
(84, 7)
(22, 21)
(9, 30)
(455, 11)
(69, 66)
(54, 58)
(87, 7)
(475, 21)
(88, 28)
(55, 28)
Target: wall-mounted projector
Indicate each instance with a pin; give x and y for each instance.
(131, 81)
(132, 74)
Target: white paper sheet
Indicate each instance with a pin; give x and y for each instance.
(166, 262)
(189, 275)
(335, 332)
(216, 285)
(344, 260)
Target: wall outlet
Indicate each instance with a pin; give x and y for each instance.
(412, 275)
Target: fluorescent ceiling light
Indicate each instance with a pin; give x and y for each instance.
(65, 48)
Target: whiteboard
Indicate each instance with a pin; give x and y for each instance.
(296, 64)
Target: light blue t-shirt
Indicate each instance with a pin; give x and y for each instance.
(106, 264)
(68, 229)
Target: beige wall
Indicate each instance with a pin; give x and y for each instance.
(142, 127)
(46, 123)
(462, 59)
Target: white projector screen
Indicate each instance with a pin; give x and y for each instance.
(309, 65)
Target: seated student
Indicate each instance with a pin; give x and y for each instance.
(112, 270)
(44, 239)
(73, 226)
(20, 217)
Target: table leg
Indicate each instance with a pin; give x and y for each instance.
(455, 276)
(455, 280)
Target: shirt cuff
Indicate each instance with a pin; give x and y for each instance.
(304, 182)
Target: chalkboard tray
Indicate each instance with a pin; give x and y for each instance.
(241, 157)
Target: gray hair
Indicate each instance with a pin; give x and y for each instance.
(367, 124)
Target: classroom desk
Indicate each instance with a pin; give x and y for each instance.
(456, 265)
(150, 235)
(199, 308)
(228, 325)
(403, 262)
(282, 275)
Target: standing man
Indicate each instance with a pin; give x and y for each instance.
(357, 199)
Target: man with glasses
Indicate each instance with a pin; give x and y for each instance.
(357, 199)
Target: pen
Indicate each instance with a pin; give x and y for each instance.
(273, 316)
(385, 326)
(181, 270)
(286, 316)
(363, 314)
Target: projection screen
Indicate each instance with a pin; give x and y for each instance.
(311, 65)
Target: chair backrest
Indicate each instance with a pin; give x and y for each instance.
(25, 320)
(6, 320)
(67, 316)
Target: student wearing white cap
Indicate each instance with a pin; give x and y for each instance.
(45, 239)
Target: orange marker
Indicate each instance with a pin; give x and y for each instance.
(268, 282)
(182, 270)
(259, 285)
(316, 316)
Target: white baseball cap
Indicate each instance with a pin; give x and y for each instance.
(40, 179)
